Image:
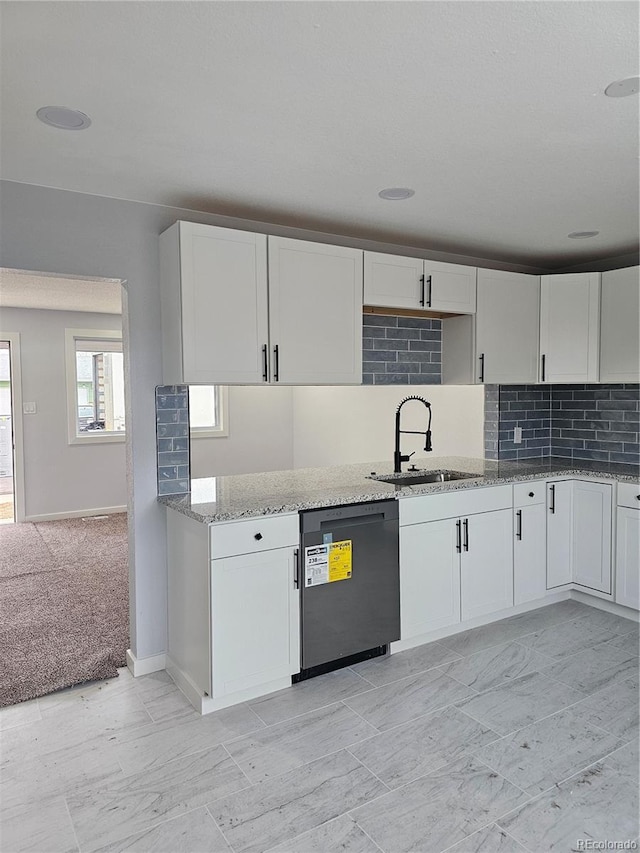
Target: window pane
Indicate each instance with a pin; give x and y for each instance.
(99, 390)
(203, 407)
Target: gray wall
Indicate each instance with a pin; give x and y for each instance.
(60, 477)
(57, 231)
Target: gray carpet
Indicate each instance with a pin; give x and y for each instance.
(64, 604)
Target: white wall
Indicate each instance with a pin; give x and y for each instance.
(338, 425)
(59, 477)
(260, 435)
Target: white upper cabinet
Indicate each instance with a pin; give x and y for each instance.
(569, 327)
(619, 326)
(499, 343)
(393, 281)
(507, 327)
(214, 304)
(450, 287)
(229, 316)
(315, 313)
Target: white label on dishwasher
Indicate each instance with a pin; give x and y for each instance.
(327, 563)
(316, 565)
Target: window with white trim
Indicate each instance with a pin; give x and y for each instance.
(95, 385)
(208, 411)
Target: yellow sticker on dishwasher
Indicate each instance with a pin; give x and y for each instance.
(327, 563)
(340, 560)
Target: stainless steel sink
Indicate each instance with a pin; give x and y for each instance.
(419, 478)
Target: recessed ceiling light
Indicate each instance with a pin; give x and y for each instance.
(63, 118)
(396, 193)
(622, 88)
(582, 235)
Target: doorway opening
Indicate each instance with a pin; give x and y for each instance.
(64, 558)
(7, 464)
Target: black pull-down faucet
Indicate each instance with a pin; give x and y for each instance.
(399, 458)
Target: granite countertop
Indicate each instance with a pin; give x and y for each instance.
(216, 499)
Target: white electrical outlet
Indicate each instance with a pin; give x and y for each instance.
(517, 435)
(29, 408)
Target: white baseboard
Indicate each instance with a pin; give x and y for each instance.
(604, 604)
(206, 704)
(145, 666)
(76, 513)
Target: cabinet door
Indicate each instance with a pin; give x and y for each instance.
(224, 304)
(393, 281)
(450, 287)
(315, 313)
(255, 620)
(559, 555)
(569, 327)
(592, 535)
(486, 564)
(628, 558)
(529, 553)
(619, 327)
(507, 327)
(429, 578)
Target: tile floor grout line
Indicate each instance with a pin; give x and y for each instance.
(217, 825)
(369, 770)
(367, 834)
(318, 708)
(73, 826)
(311, 711)
(251, 783)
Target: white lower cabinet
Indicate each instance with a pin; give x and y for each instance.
(486, 573)
(628, 546)
(429, 578)
(234, 609)
(591, 534)
(255, 636)
(559, 556)
(529, 543)
(452, 569)
(579, 534)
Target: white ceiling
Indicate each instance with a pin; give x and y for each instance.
(298, 113)
(30, 290)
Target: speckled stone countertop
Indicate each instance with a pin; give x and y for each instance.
(250, 495)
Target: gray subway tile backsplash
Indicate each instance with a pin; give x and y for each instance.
(577, 421)
(172, 439)
(401, 350)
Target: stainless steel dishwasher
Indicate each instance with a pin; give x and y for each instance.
(349, 584)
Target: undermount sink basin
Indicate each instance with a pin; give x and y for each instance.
(419, 478)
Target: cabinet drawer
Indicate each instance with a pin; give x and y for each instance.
(629, 495)
(453, 504)
(525, 494)
(250, 536)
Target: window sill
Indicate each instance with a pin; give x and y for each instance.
(96, 438)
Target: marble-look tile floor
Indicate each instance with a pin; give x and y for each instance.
(516, 736)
